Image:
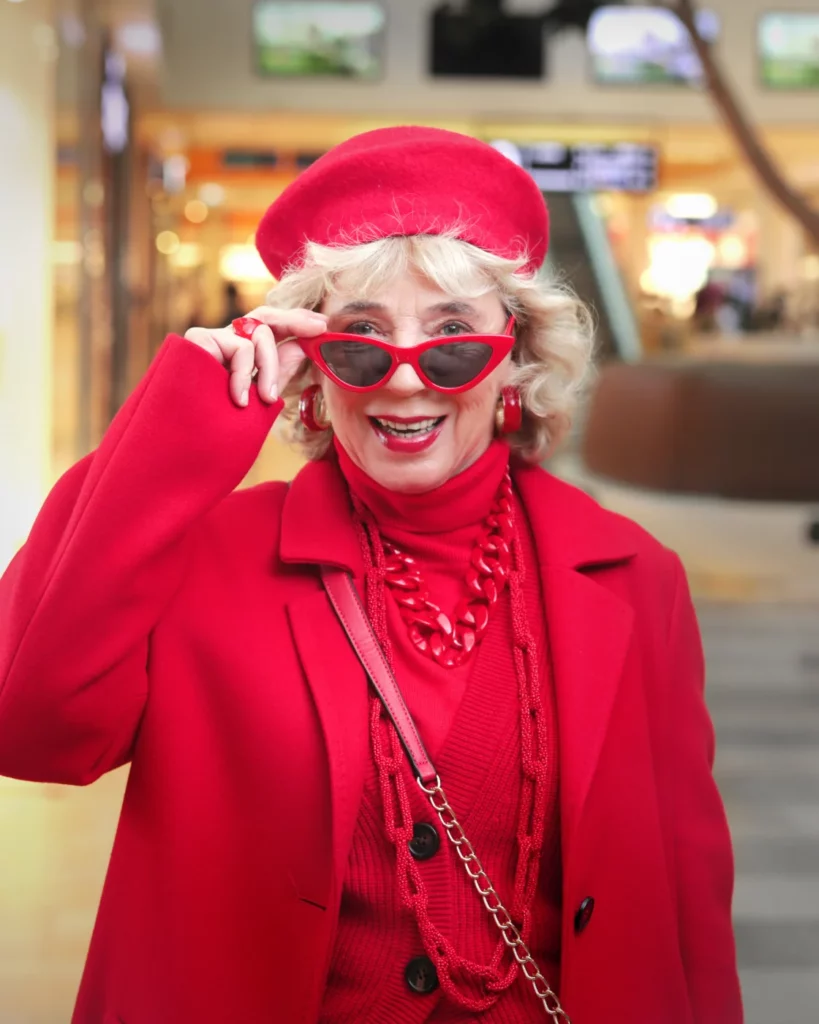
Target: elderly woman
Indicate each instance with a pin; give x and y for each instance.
(483, 792)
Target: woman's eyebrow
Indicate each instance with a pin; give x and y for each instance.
(454, 307)
(362, 306)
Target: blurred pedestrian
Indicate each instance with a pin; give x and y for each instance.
(708, 301)
(233, 303)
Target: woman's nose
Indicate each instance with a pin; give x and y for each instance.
(405, 381)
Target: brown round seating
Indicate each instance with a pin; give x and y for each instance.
(736, 430)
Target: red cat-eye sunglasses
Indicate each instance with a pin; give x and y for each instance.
(453, 364)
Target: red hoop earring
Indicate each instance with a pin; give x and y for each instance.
(311, 409)
(509, 412)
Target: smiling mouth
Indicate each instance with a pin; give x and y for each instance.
(408, 429)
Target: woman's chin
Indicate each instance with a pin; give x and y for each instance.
(415, 473)
(409, 474)
(410, 479)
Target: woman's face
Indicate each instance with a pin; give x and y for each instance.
(459, 427)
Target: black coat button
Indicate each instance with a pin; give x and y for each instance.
(421, 975)
(425, 841)
(583, 915)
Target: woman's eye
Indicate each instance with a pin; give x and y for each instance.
(361, 327)
(454, 327)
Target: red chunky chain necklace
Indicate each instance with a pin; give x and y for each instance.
(450, 641)
(472, 985)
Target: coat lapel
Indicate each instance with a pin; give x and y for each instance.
(589, 627)
(339, 689)
(589, 634)
(317, 529)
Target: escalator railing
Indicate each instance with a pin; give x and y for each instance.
(582, 254)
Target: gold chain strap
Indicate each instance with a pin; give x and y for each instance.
(500, 915)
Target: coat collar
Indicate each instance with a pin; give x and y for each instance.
(576, 532)
(317, 525)
(571, 530)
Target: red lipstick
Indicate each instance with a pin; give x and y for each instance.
(412, 434)
(404, 420)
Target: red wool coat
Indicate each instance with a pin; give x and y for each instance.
(155, 617)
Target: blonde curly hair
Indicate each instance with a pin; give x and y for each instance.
(553, 348)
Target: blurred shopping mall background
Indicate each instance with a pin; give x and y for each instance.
(142, 140)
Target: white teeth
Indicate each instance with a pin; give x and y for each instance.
(407, 429)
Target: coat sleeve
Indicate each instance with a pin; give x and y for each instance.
(107, 552)
(703, 854)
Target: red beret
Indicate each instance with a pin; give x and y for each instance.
(407, 181)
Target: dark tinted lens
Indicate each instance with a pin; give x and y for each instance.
(356, 362)
(453, 365)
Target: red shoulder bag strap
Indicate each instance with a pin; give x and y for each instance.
(347, 605)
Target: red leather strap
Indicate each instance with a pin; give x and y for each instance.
(347, 606)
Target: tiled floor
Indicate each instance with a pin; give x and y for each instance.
(764, 694)
(54, 845)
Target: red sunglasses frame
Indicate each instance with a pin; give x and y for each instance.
(501, 345)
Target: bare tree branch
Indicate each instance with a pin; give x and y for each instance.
(742, 129)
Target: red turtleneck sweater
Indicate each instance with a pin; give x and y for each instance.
(468, 718)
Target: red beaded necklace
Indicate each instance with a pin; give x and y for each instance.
(450, 641)
(471, 985)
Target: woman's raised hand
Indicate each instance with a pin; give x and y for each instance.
(275, 358)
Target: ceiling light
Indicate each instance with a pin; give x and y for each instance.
(242, 263)
(167, 242)
(212, 193)
(139, 38)
(692, 206)
(732, 251)
(175, 172)
(679, 265)
(196, 211)
(187, 257)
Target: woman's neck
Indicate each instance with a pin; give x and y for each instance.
(463, 500)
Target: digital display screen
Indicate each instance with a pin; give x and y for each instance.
(325, 38)
(646, 46)
(484, 41)
(789, 51)
(555, 167)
